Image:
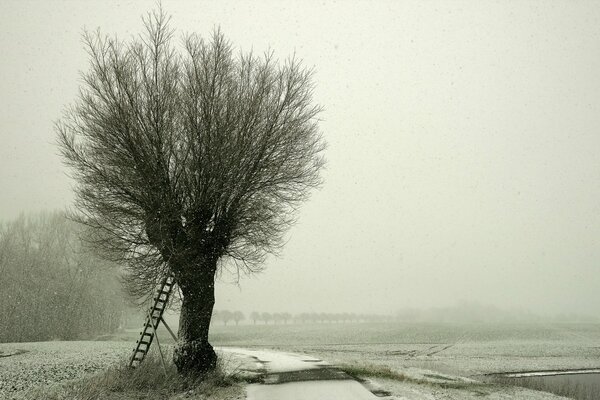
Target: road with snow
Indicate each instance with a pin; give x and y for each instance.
(290, 376)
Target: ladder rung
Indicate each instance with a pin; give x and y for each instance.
(143, 342)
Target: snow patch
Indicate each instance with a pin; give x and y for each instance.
(271, 362)
(551, 373)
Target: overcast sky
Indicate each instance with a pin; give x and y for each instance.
(463, 158)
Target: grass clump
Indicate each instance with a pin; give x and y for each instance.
(359, 372)
(372, 371)
(150, 380)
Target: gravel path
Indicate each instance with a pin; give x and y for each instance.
(25, 365)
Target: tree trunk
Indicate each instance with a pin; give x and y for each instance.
(193, 352)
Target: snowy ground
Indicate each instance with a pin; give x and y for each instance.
(428, 355)
(423, 351)
(465, 350)
(413, 391)
(469, 359)
(292, 376)
(44, 363)
(288, 376)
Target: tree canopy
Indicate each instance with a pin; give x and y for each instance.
(193, 149)
(188, 158)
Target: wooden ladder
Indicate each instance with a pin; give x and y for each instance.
(153, 318)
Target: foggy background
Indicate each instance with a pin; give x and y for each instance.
(463, 144)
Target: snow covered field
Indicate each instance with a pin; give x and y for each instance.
(45, 363)
(459, 349)
(437, 358)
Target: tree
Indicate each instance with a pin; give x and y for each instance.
(52, 287)
(266, 316)
(277, 318)
(226, 316)
(286, 317)
(188, 161)
(303, 317)
(238, 316)
(255, 316)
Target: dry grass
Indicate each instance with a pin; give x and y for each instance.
(372, 371)
(362, 371)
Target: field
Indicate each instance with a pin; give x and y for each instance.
(461, 349)
(422, 352)
(437, 361)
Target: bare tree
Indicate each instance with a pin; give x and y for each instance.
(238, 316)
(52, 286)
(226, 316)
(277, 318)
(189, 160)
(266, 316)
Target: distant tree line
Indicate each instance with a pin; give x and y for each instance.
(226, 317)
(52, 287)
(460, 313)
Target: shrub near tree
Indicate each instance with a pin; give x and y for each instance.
(187, 158)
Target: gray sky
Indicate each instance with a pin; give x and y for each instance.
(463, 144)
